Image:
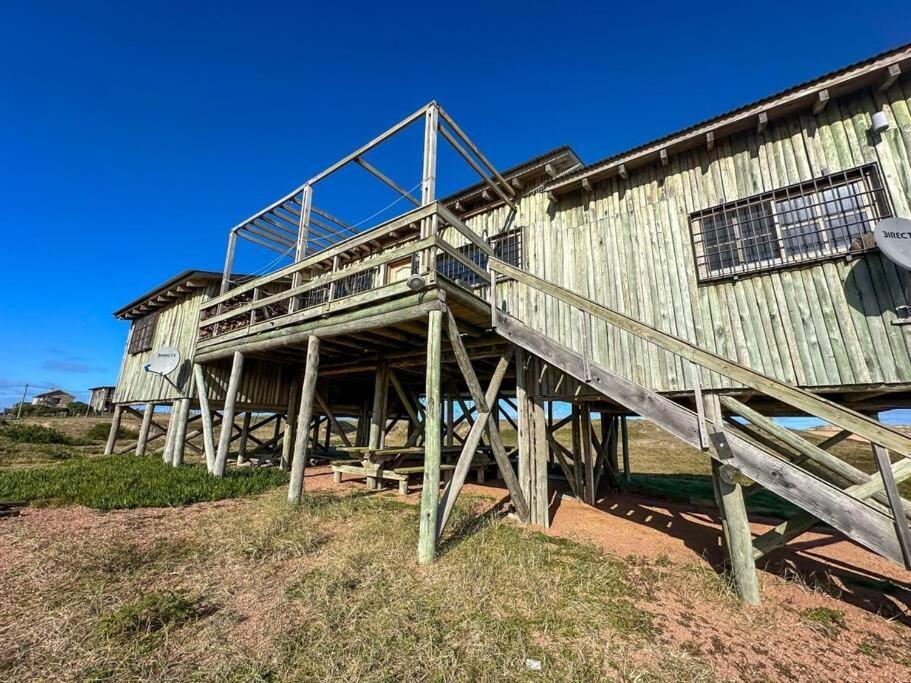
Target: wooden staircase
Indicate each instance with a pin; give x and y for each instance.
(866, 508)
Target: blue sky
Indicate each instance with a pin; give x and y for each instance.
(134, 135)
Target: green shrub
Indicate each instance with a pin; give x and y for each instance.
(29, 433)
(127, 481)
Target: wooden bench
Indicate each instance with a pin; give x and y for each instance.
(374, 476)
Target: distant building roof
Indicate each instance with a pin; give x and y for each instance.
(54, 392)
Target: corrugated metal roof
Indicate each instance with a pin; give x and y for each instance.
(898, 53)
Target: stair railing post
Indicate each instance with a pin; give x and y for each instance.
(492, 273)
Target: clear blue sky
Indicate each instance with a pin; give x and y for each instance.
(134, 135)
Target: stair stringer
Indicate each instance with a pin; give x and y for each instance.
(852, 517)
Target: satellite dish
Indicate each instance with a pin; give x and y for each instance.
(893, 237)
(164, 361)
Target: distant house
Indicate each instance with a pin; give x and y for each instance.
(100, 401)
(55, 397)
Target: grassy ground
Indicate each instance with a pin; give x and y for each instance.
(127, 481)
(332, 593)
(253, 589)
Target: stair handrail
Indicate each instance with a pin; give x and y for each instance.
(796, 397)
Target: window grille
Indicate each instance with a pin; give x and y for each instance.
(507, 246)
(355, 283)
(805, 222)
(143, 329)
(316, 296)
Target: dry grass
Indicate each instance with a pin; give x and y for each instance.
(256, 590)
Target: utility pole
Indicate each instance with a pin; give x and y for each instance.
(19, 412)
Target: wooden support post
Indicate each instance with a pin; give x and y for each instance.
(534, 448)
(180, 436)
(378, 413)
(208, 437)
(577, 452)
(169, 437)
(115, 427)
(624, 439)
(735, 526)
(308, 387)
(430, 493)
(244, 436)
(143, 439)
(227, 417)
(884, 464)
(588, 460)
(290, 419)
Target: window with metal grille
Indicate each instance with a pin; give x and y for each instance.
(141, 336)
(315, 297)
(352, 284)
(507, 246)
(805, 222)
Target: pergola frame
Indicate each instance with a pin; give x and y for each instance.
(294, 223)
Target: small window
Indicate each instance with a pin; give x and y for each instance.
(809, 221)
(143, 330)
(507, 246)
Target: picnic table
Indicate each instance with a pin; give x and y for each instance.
(378, 464)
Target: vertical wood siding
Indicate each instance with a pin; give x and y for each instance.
(627, 245)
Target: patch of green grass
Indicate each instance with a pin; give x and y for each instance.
(99, 432)
(127, 481)
(147, 621)
(828, 621)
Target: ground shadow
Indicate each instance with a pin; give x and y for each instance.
(802, 561)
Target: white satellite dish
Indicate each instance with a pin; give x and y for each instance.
(164, 361)
(893, 237)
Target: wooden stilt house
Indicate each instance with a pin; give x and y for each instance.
(705, 281)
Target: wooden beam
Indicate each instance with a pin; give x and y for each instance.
(143, 439)
(464, 362)
(663, 156)
(762, 122)
(848, 472)
(463, 464)
(822, 99)
(734, 522)
(794, 396)
(180, 438)
(115, 427)
(290, 421)
(227, 418)
(710, 140)
(892, 74)
(336, 425)
(244, 437)
(430, 493)
(884, 465)
(623, 172)
(302, 440)
(378, 411)
(388, 181)
(208, 437)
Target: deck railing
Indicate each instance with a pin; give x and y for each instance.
(365, 268)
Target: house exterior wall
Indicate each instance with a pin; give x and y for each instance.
(627, 244)
(264, 384)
